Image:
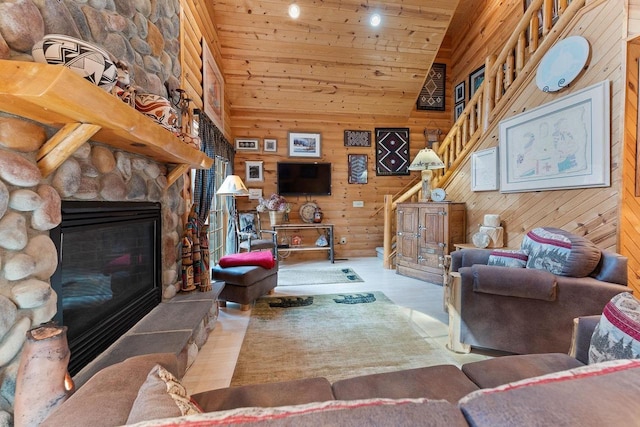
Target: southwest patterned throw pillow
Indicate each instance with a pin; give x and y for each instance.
(560, 252)
(508, 258)
(617, 335)
(161, 396)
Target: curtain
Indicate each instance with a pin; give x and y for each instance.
(214, 145)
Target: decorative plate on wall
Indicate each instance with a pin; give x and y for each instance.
(562, 64)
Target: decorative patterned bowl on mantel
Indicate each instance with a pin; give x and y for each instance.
(158, 108)
(83, 58)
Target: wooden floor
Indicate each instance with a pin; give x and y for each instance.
(422, 301)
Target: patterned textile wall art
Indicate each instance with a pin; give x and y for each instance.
(358, 168)
(357, 138)
(392, 151)
(432, 93)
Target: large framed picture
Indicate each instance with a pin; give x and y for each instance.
(304, 144)
(563, 144)
(475, 80)
(484, 170)
(213, 88)
(254, 171)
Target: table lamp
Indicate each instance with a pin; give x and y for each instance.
(234, 187)
(425, 161)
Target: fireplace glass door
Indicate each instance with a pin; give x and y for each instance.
(108, 272)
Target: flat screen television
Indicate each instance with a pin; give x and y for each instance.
(299, 178)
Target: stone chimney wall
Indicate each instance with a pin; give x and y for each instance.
(144, 35)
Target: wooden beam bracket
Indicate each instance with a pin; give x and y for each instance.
(176, 173)
(63, 144)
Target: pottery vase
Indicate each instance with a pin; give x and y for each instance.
(157, 108)
(85, 59)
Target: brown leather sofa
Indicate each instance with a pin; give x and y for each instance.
(607, 398)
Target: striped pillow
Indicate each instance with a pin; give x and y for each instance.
(508, 258)
(617, 335)
(560, 252)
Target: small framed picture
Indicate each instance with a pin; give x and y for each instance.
(255, 193)
(475, 79)
(270, 145)
(357, 138)
(484, 170)
(457, 110)
(254, 171)
(458, 93)
(247, 144)
(358, 168)
(304, 144)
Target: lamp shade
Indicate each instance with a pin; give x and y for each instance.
(426, 159)
(232, 186)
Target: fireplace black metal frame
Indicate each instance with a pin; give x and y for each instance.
(80, 214)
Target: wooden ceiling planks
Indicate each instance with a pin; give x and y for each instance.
(329, 59)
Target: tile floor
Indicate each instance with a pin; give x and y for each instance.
(216, 361)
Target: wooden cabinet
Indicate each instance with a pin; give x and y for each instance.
(426, 233)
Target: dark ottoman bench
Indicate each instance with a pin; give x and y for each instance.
(247, 276)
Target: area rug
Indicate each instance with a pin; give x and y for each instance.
(333, 336)
(317, 276)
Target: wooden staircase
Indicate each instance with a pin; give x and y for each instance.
(539, 28)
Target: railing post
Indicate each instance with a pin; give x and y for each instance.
(388, 213)
(520, 53)
(547, 17)
(489, 91)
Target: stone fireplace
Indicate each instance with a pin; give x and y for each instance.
(106, 169)
(31, 209)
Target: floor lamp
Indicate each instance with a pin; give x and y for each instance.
(425, 161)
(234, 187)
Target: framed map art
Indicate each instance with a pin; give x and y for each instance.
(562, 144)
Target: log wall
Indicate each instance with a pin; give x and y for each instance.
(630, 206)
(363, 227)
(592, 212)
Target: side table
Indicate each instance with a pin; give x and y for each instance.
(328, 228)
(453, 307)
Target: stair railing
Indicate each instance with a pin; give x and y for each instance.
(533, 36)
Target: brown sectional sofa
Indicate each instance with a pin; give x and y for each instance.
(606, 399)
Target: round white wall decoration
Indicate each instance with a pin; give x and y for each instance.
(562, 64)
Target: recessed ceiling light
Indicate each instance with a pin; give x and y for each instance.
(375, 20)
(294, 10)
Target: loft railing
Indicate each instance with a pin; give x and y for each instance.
(539, 28)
